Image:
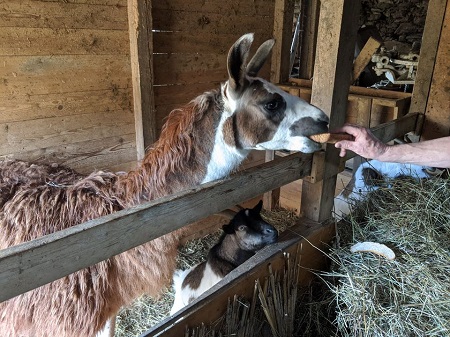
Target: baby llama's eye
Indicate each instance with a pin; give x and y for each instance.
(242, 228)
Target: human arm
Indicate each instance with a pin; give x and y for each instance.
(435, 153)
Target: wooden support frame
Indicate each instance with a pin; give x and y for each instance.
(332, 71)
(141, 57)
(282, 32)
(307, 239)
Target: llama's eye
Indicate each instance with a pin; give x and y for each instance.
(242, 228)
(272, 105)
(275, 108)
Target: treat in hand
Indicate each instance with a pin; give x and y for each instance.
(331, 138)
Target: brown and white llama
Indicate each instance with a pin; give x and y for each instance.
(203, 141)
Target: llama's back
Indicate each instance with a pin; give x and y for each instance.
(41, 199)
(16, 175)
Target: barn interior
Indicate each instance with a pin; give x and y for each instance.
(89, 83)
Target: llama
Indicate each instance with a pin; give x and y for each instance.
(205, 140)
(370, 176)
(246, 233)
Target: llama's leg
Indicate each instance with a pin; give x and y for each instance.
(108, 329)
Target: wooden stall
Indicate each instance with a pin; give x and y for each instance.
(89, 83)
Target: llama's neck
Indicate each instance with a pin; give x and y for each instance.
(190, 151)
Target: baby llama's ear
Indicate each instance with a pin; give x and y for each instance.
(228, 229)
(258, 207)
(237, 62)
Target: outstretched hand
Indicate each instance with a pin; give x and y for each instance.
(365, 143)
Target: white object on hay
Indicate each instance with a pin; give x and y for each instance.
(373, 247)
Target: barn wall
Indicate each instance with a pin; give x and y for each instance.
(191, 41)
(65, 91)
(65, 76)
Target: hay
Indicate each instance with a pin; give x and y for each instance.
(408, 296)
(145, 312)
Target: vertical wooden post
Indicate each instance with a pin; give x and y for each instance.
(279, 73)
(332, 71)
(282, 32)
(310, 19)
(429, 48)
(141, 56)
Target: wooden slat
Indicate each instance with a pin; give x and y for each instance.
(189, 68)
(141, 58)
(364, 57)
(32, 264)
(203, 43)
(42, 133)
(210, 23)
(29, 41)
(101, 154)
(64, 14)
(29, 107)
(335, 46)
(309, 240)
(34, 75)
(369, 92)
(237, 7)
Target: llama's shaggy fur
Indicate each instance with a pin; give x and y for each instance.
(40, 199)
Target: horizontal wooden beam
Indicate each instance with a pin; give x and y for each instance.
(35, 263)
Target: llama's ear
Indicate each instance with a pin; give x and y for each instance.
(237, 61)
(228, 229)
(258, 207)
(259, 58)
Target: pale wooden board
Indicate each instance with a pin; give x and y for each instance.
(204, 43)
(35, 134)
(189, 68)
(83, 155)
(199, 22)
(33, 75)
(31, 264)
(364, 57)
(307, 241)
(238, 7)
(64, 15)
(29, 41)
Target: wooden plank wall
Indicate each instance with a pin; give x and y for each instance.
(191, 41)
(65, 90)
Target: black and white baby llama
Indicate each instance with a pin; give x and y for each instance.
(246, 233)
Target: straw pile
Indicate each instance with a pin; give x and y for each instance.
(408, 296)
